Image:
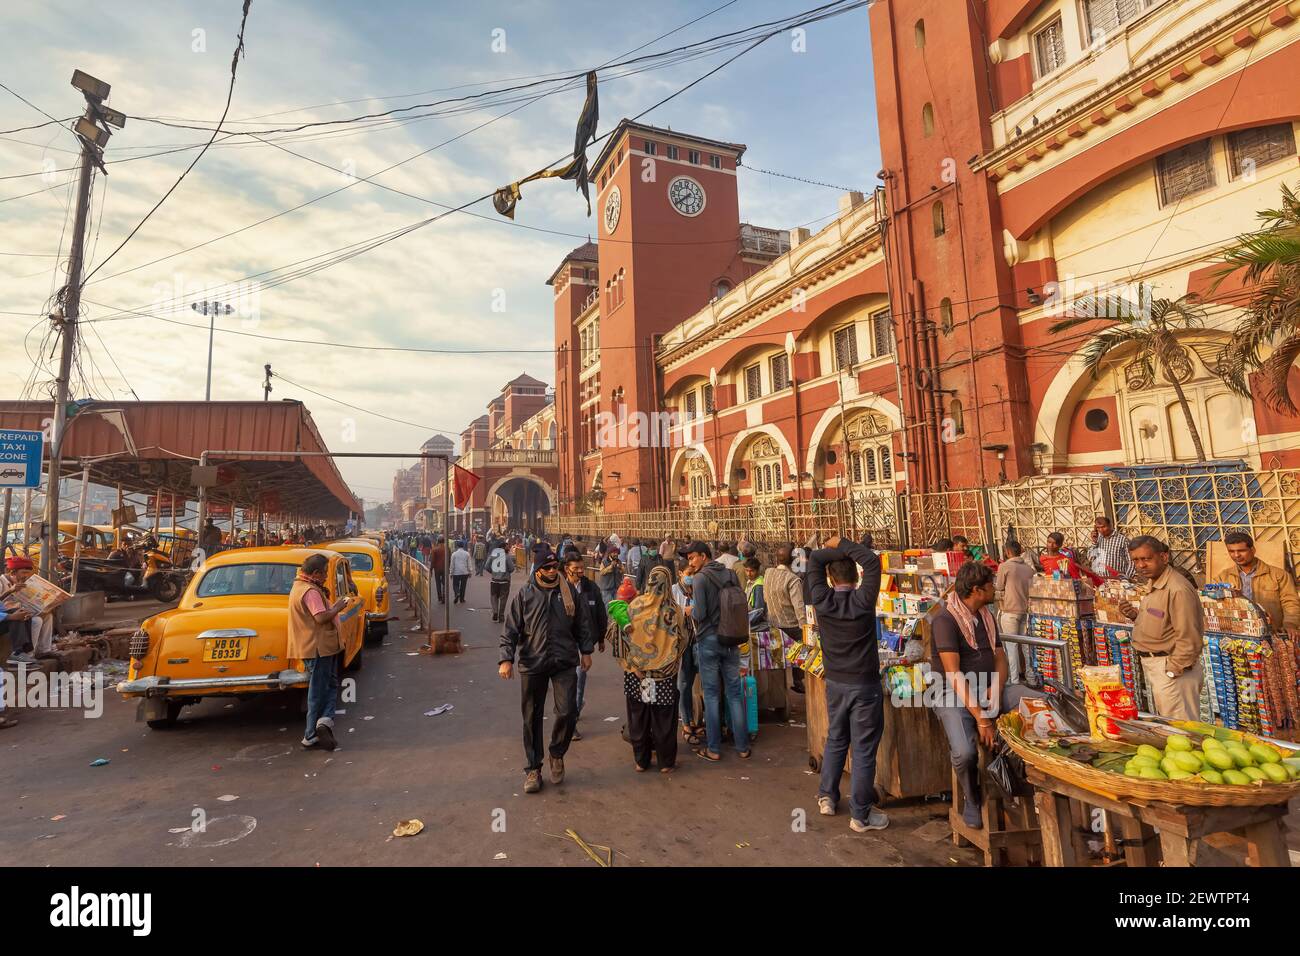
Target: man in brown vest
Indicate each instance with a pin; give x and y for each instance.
(314, 639)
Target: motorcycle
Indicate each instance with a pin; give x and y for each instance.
(130, 573)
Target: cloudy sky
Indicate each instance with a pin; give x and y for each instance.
(808, 113)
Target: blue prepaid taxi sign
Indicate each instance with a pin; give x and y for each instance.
(20, 458)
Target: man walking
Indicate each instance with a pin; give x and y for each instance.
(438, 567)
(593, 606)
(719, 663)
(1012, 585)
(460, 570)
(855, 702)
(786, 607)
(1109, 555)
(548, 630)
(314, 639)
(1168, 631)
(499, 566)
(480, 555)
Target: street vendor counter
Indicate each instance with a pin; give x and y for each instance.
(912, 760)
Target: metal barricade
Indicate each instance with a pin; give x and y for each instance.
(1062, 649)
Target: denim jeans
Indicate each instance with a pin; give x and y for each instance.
(855, 719)
(686, 671)
(322, 691)
(963, 737)
(1009, 623)
(582, 691)
(719, 667)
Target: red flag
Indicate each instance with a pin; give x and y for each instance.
(463, 485)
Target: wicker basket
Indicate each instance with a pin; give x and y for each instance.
(1119, 787)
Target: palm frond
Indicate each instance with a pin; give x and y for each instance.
(1274, 374)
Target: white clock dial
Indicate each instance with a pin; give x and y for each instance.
(613, 207)
(686, 195)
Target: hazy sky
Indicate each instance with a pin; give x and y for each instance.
(809, 114)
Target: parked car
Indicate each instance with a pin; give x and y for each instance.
(366, 561)
(229, 635)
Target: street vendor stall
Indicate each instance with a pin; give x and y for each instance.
(912, 759)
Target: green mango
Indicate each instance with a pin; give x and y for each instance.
(1146, 750)
(1152, 773)
(1264, 754)
(1178, 742)
(1132, 772)
(1292, 765)
(1241, 757)
(1235, 777)
(1142, 760)
(1209, 743)
(1219, 759)
(1254, 773)
(1275, 772)
(1211, 776)
(1187, 761)
(1180, 775)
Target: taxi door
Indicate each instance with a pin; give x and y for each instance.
(351, 621)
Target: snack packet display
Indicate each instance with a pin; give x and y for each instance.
(1106, 696)
(1041, 719)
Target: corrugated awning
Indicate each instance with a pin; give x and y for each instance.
(150, 447)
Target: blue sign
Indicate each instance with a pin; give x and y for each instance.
(20, 458)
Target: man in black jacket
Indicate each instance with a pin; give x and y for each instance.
(593, 605)
(550, 630)
(719, 664)
(846, 620)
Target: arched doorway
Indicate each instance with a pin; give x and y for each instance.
(520, 502)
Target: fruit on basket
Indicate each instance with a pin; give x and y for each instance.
(1212, 761)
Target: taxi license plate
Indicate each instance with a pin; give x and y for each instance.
(225, 649)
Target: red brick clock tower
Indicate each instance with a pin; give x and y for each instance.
(669, 241)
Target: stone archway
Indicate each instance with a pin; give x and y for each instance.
(528, 500)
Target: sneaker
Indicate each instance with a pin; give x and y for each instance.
(577, 734)
(7, 722)
(325, 733)
(309, 742)
(876, 820)
(557, 770)
(972, 814)
(532, 781)
(826, 805)
(24, 657)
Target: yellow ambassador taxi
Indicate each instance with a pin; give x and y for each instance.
(366, 561)
(229, 634)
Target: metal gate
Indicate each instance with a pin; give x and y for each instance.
(1030, 509)
(933, 515)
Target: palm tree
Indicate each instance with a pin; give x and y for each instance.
(1152, 333)
(1268, 264)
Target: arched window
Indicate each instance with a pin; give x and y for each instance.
(552, 438)
(927, 119)
(920, 34)
(856, 460)
(955, 413)
(945, 315)
(886, 463)
(721, 288)
(619, 290)
(936, 214)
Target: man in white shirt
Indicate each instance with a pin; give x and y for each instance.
(461, 565)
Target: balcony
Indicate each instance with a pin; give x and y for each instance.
(537, 457)
(764, 243)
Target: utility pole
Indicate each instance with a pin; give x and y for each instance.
(266, 386)
(93, 138)
(212, 310)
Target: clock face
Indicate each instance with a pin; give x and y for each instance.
(613, 206)
(686, 195)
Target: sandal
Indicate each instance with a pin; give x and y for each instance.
(668, 769)
(692, 737)
(638, 768)
(708, 755)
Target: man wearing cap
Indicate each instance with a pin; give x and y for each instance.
(551, 633)
(719, 665)
(30, 635)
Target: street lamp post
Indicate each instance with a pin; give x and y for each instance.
(212, 310)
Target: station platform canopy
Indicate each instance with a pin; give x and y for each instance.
(151, 448)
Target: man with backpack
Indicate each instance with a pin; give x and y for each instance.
(721, 614)
(500, 567)
(855, 700)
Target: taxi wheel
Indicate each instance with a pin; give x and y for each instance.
(355, 664)
(377, 632)
(173, 711)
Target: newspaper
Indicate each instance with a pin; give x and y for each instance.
(36, 596)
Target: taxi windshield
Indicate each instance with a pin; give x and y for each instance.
(247, 579)
(360, 562)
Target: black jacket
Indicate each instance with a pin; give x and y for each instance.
(846, 620)
(706, 610)
(546, 639)
(649, 562)
(589, 597)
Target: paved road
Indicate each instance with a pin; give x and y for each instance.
(460, 773)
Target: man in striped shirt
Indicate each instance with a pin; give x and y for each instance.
(1109, 555)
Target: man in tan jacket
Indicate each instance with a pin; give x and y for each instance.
(314, 639)
(786, 605)
(1273, 589)
(1168, 631)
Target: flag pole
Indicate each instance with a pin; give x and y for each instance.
(446, 540)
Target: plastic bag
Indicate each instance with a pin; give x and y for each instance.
(1106, 696)
(1006, 772)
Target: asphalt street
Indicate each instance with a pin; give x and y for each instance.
(238, 769)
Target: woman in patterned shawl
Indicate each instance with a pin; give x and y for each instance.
(654, 641)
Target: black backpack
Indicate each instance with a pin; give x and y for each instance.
(733, 611)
